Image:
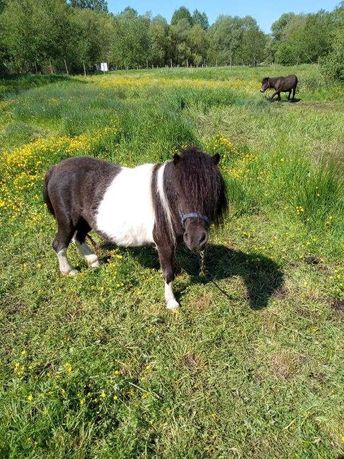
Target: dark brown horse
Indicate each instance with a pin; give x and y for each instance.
(159, 204)
(280, 84)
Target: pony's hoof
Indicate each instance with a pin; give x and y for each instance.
(71, 272)
(94, 264)
(92, 261)
(172, 305)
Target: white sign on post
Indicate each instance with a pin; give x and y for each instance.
(104, 67)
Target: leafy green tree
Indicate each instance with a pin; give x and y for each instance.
(3, 48)
(181, 53)
(131, 39)
(159, 41)
(181, 13)
(36, 33)
(87, 48)
(290, 48)
(198, 43)
(332, 65)
(225, 37)
(253, 42)
(201, 19)
(305, 38)
(98, 5)
(279, 26)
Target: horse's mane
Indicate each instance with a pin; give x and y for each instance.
(201, 183)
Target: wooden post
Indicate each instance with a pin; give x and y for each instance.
(83, 64)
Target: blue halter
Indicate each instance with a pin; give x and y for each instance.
(184, 217)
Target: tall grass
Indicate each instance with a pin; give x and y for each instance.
(251, 367)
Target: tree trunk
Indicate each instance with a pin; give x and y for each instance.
(65, 63)
(83, 64)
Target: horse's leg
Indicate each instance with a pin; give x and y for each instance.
(62, 239)
(166, 257)
(273, 95)
(289, 94)
(85, 251)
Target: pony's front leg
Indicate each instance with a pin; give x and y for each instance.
(166, 257)
(171, 302)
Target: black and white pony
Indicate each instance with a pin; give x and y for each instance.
(159, 204)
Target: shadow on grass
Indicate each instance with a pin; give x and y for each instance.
(261, 275)
(13, 84)
(290, 101)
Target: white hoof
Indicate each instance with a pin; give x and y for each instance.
(172, 305)
(70, 272)
(95, 264)
(92, 260)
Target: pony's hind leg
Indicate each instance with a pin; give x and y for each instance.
(60, 244)
(85, 251)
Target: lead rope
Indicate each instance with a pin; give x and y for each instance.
(202, 269)
(203, 273)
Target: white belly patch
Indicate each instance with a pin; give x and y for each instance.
(126, 213)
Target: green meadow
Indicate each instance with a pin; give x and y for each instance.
(251, 366)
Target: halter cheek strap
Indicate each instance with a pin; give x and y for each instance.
(184, 217)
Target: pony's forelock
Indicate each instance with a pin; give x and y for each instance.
(201, 183)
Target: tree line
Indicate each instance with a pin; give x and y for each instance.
(75, 35)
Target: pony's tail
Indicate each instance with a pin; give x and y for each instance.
(45, 191)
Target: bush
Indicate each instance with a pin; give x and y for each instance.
(333, 64)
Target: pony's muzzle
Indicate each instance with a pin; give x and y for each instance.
(196, 241)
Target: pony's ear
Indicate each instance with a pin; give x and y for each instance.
(216, 158)
(176, 158)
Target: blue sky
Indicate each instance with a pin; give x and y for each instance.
(264, 11)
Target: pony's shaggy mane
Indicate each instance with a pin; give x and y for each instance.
(201, 184)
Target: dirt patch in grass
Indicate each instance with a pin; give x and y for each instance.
(338, 306)
(192, 362)
(285, 364)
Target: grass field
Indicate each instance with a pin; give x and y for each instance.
(252, 367)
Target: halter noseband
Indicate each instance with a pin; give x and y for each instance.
(184, 217)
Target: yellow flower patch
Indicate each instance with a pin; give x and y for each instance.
(141, 81)
(23, 167)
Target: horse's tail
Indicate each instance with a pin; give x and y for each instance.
(46, 197)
